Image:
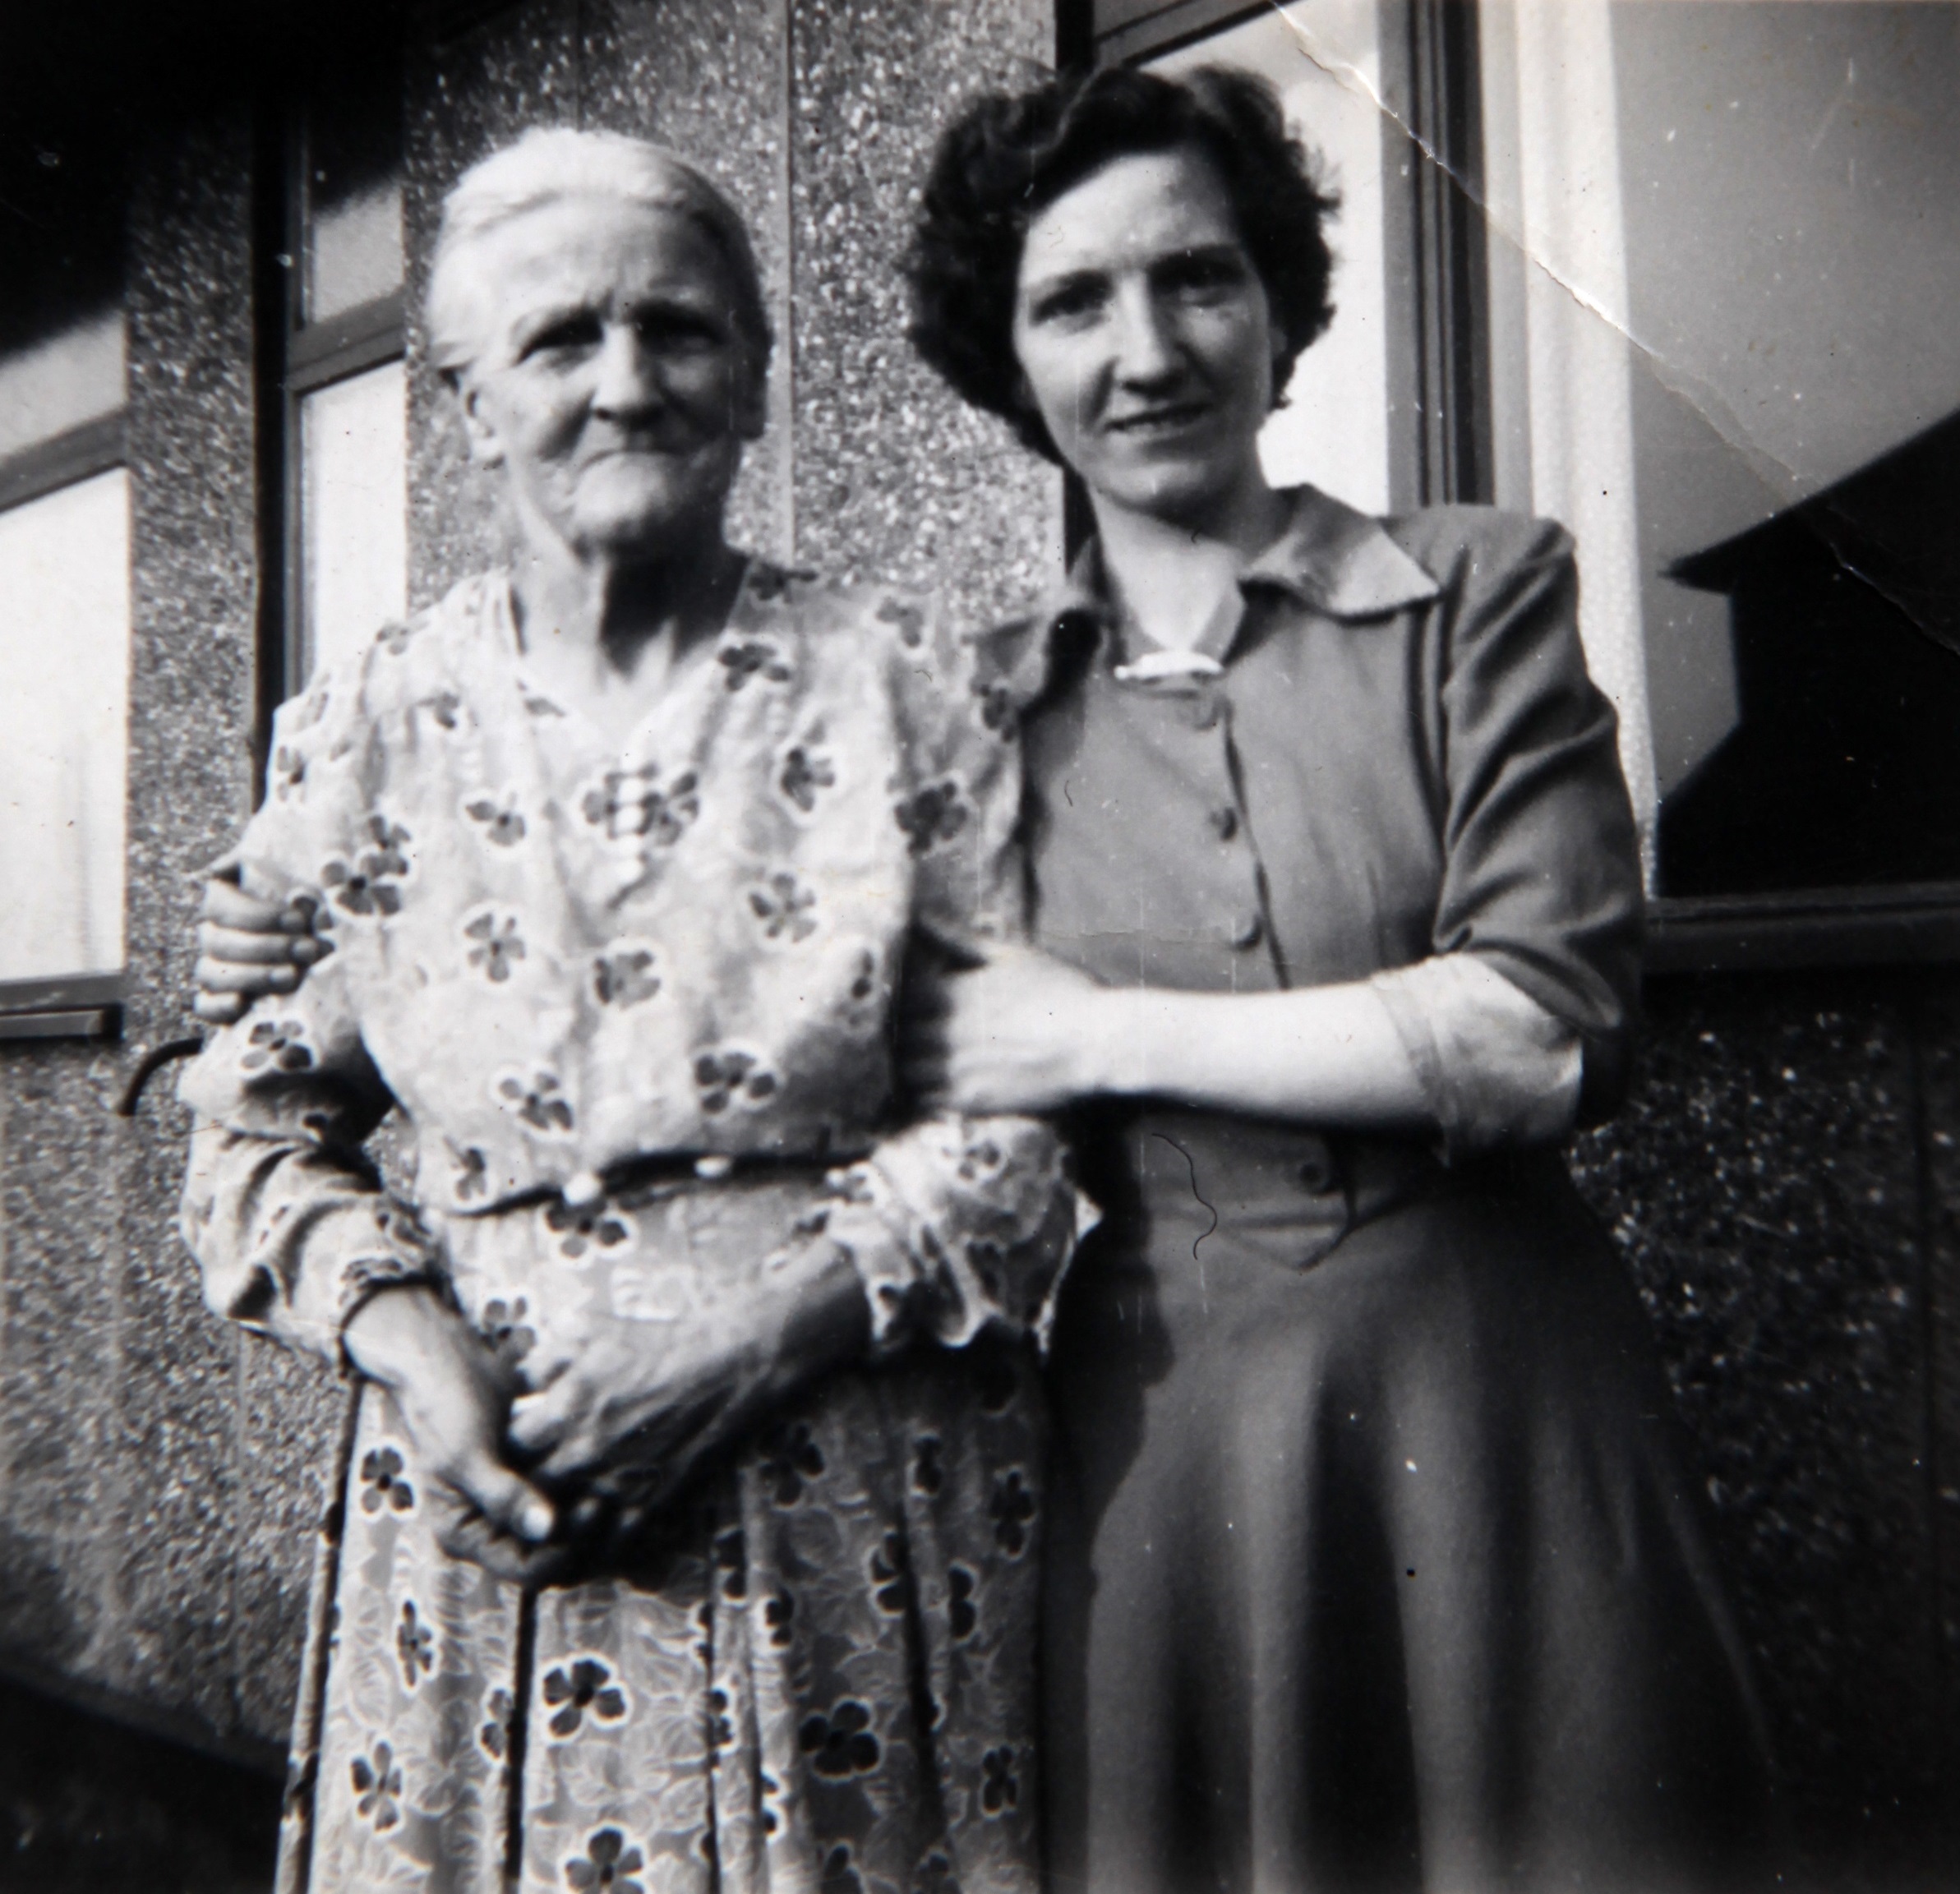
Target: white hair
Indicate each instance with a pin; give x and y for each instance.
(548, 164)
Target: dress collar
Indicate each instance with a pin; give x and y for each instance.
(1331, 559)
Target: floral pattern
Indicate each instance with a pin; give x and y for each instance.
(732, 1077)
(414, 1645)
(628, 804)
(626, 977)
(784, 908)
(843, 1743)
(560, 957)
(803, 772)
(277, 1045)
(496, 945)
(370, 884)
(501, 822)
(752, 657)
(540, 1101)
(472, 1179)
(377, 1781)
(382, 1481)
(577, 1230)
(610, 1862)
(935, 814)
(573, 1691)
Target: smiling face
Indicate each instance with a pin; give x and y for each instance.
(608, 377)
(1145, 338)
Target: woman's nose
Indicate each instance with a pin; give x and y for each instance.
(627, 383)
(1146, 347)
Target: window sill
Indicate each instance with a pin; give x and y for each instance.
(83, 1006)
(80, 453)
(1912, 923)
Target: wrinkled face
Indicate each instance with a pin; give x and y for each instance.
(1144, 335)
(608, 378)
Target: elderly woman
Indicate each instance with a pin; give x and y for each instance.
(1370, 1564)
(673, 1554)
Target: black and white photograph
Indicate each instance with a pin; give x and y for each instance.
(979, 947)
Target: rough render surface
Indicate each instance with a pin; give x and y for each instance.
(211, 1559)
(1783, 1180)
(1764, 1182)
(894, 477)
(152, 1490)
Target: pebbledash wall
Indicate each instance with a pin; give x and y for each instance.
(1786, 1183)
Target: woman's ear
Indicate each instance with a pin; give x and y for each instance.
(485, 445)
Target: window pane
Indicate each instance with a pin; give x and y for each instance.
(64, 713)
(1324, 56)
(53, 385)
(354, 253)
(1790, 176)
(354, 448)
(352, 194)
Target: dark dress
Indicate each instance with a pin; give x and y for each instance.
(1371, 1564)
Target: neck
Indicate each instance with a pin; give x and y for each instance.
(622, 616)
(1176, 578)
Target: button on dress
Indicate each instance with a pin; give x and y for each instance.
(1373, 1564)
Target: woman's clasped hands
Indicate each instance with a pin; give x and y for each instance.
(526, 1477)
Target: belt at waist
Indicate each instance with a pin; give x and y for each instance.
(657, 1173)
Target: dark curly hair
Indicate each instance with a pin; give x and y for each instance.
(1009, 156)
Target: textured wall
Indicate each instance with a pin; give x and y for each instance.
(1777, 1182)
(153, 1474)
(1786, 1182)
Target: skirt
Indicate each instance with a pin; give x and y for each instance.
(814, 1675)
(1371, 1563)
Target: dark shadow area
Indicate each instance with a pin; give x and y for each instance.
(86, 1804)
(1845, 613)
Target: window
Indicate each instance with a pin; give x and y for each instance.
(65, 631)
(336, 303)
(1726, 246)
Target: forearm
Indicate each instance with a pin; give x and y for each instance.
(1448, 1046)
(1326, 1055)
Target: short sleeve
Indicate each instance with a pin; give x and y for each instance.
(1542, 877)
(1497, 1069)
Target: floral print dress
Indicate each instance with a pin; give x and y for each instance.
(634, 1004)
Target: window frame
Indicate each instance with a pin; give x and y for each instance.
(296, 358)
(72, 1005)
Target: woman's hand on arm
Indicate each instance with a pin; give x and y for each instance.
(648, 1403)
(247, 946)
(453, 1398)
(1019, 1032)
(1022, 1032)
